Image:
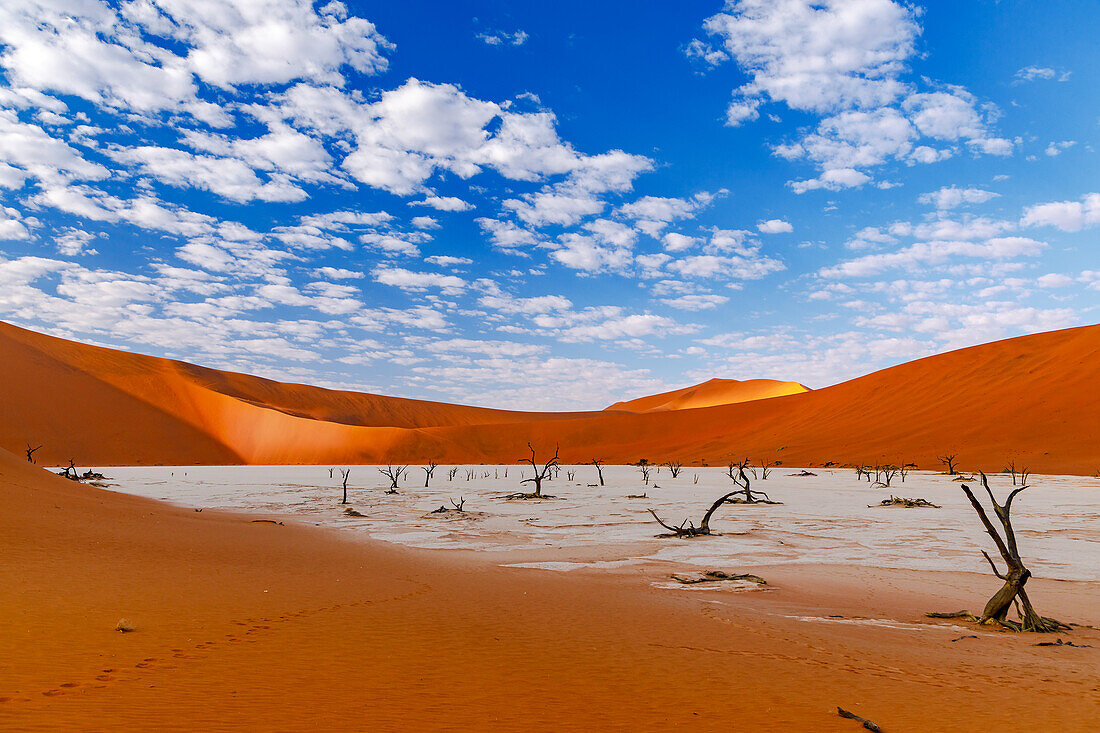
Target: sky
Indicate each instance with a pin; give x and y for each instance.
(548, 205)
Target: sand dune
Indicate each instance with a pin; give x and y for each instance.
(709, 394)
(1035, 398)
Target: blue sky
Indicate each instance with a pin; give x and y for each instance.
(548, 206)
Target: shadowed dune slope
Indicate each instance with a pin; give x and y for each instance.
(1035, 398)
(100, 405)
(710, 393)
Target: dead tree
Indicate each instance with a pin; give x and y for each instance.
(31, 452)
(458, 506)
(540, 475)
(570, 475)
(70, 472)
(428, 471)
(743, 493)
(688, 528)
(765, 467)
(1016, 574)
(394, 475)
(599, 471)
(452, 473)
(950, 461)
(345, 472)
(674, 468)
(1016, 473)
(884, 474)
(645, 468)
(330, 471)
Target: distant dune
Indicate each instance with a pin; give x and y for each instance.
(1035, 398)
(709, 394)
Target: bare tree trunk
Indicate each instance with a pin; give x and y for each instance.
(1017, 573)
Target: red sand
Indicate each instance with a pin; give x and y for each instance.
(246, 626)
(1034, 398)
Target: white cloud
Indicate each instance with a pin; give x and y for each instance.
(699, 50)
(506, 235)
(27, 151)
(675, 242)
(1054, 280)
(817, 56)
(448, 260)
(338, 273)
(950, 197)
(12, 226)
(503, 38)
(696, 302)
(831, 180)
(1034, 73)
(410, 280)
(932, 253)
(775, 226)
(227, 177)
(444, 203)
(1057, 148)
(107, 57)
(1069, 216)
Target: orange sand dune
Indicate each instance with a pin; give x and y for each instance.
(1035, 398)
(259, 626)
(710, 393)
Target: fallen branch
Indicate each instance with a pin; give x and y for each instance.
(852, 716)
(905, 503)
(717, 576)
(1059, 642)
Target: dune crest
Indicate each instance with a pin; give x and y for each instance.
(1033, 398)
(711, 393)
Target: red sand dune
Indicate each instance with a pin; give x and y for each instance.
(1035, 398)
(710, 393)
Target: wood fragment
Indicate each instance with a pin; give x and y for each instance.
(852, 716)
(1059, 642)
(902, 501)
(715, 576)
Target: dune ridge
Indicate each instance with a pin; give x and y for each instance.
(1034, 398)
(711, 393)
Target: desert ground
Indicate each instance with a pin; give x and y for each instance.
(220, 593)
